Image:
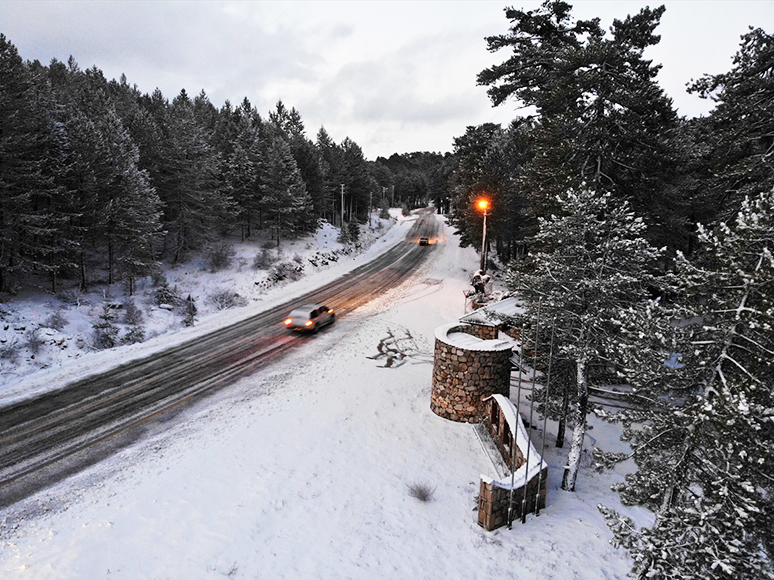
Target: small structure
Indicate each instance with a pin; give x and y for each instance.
(526, 486)
(469, 365)
(495, 317)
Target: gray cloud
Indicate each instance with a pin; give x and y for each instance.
(394, 76)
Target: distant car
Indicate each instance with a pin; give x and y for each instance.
(424, 241)
(310, 318)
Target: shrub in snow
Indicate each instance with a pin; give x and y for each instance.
(421, 491)
(353, 228)
(159, 279)
(404, 210)
(264, 260)
(166, 295)
(57, 320)
(133, 335)
(9, 351)
(224, 299)
(105, 332)
(343, 236)
(220, 256)
(286, 271)
(384, 213)
(190, 311)
(132, 314)
(34, 340)
(73, 297)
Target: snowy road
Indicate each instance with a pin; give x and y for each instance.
(38, 433)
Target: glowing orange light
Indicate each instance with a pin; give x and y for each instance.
(308, 323)
(288, 321)
(483, 204)
(330, 311)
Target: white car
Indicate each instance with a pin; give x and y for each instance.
(310, 317)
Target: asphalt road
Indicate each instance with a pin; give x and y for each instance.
(45, 439)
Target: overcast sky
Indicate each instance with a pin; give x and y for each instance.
(393, 76)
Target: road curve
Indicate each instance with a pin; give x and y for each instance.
(37, 433)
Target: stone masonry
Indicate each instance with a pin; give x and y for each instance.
(493, 501)
(464, 377)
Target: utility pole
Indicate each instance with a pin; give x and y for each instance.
(370, 199)
(342, 206)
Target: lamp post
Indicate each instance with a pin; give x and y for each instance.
(483, 205)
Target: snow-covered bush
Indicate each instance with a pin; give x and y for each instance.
(105, 332)
(286, 271)
(133, 335)
(132, 314)
(34, 340)
(220, 256)
(264, 259)
(57, 320)
(225, 299)
(166, 295)
(9, 351)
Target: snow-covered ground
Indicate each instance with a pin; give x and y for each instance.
(303, 470)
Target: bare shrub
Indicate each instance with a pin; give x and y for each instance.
(132, 314)
(264, 260)
(34, 340)
(57, 320)
(225, 299)
(9, 351)
(73, 297)
(220, 256)
(421, 491)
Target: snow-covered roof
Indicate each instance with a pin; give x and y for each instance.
(492, 313)
(468, 342)
(527, 471)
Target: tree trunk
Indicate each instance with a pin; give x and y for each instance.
(560, 430)
(83, 270)
(110, 262)
(579, 432)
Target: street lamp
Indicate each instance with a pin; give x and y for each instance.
(483, 205)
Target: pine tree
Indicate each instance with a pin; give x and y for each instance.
(284, 192)
(603, 121)
(28, 224)
(590, 262)
(704, 445)
(194, 205)
(737, 137)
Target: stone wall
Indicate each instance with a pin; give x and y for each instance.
(482, 331)
(463, 378)
(493, 501)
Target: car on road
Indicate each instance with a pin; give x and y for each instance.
(310, 318)
(423, 241)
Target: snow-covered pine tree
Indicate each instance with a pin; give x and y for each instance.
(704, 445)
(589, 263)
(285, 198)
(194, 205)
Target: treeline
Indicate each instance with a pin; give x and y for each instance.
(98, 181)
(642, 245)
